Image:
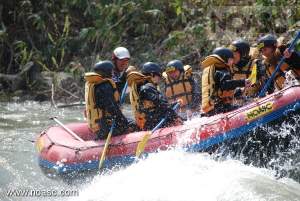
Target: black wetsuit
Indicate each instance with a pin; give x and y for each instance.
(104, 98)
(224, 82)
(161, 109)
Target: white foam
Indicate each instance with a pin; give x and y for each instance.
(178, 176)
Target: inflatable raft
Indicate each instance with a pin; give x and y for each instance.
(60, 153)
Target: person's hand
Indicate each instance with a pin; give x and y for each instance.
(130, 69)
(189, 113)
(248, 83)
(180, 101)
(287, 54)
(238, 93)
(178, 121)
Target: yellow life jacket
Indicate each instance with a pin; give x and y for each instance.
(180, 88)
(93, 113)
(135, 79)
(271, 64)
(209, 91)
(256, 79)
(249, 71)
(242, 73)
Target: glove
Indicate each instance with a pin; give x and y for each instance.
(238, 93)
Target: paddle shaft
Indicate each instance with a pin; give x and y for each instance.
(266, 86)
(102, 158)
(164, 119)
(67, 129)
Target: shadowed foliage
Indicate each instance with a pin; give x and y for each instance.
(71, 35)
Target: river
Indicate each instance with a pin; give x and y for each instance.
(165, 176)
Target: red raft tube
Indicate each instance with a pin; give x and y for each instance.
(60, 153)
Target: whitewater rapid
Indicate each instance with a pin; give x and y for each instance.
(178, 176)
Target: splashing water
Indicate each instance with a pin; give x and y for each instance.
(178, 176)
(290, 79)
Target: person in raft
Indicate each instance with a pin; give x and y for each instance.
(247, 66)
(217, 83)
(102, 102)
(272, 52)
(120, 59)
(180, 84)
(148, 103)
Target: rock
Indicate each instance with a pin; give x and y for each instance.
(65, 87)
(41, 97)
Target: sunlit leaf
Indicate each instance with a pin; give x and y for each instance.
(51, 39)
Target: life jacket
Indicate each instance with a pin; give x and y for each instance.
(94, 114)
(180, 88)
(254, 71)
(243, 72)
(271, 64)
(257, 78)
(210, 92)
(135, 80)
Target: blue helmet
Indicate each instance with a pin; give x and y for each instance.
(240, 46)
(224, 53)
(151, 67)
(268, 40)
(174, 65)
(104, 68)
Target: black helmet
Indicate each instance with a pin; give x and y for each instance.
(224, 53)
(240, 46)
(267, 41)
(104, 68)
(151, 67)
(173, 65)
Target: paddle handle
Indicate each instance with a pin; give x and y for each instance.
(67, 129)
(266, 86)
(164, 119)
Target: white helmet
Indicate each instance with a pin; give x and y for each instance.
(121, 53)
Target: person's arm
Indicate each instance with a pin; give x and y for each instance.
(293, 60)
(104, 97)
(149, 92)
(224, 81)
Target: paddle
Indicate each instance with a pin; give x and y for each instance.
(122, 99)
(141, 145)
(67, 129)
(266, 86)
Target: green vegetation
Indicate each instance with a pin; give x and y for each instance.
(70, 35)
